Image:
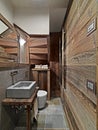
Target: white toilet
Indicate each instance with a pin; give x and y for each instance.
(41, 98)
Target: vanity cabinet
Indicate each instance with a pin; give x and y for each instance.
(42, 77)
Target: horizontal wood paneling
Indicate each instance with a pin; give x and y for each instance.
(38, 51)
(78, 76)
(14, 65)
(81, 63)
(37, 62)
(8, 43)
(35, 42)
(1, 49)
(6, 57)
(83, 111)
(11, 50)
(38, 57)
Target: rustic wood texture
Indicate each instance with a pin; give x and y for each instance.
(1, 49)
(7, 65)
(8, 43)
(81, 56)
(78, 76)
(8, 39)
(6, 57)
(82, 109)
(11, 50)
(37, 62)
(38, 50)
(24, 102)
(42, 77)
(54, 64)
(38, 57)
(36, 42)
(13, 101)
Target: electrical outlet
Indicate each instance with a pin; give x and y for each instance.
(91, 85)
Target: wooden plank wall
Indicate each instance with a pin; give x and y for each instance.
(8, 51)
(54, 64)
(81, 65)
(41, 78)
(38, 50)
(8, 41)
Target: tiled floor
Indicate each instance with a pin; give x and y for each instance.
(50, 118)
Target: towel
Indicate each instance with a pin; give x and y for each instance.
(34, 111)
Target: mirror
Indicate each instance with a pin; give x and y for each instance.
(8, 41)
(3, 27)
(11, 42)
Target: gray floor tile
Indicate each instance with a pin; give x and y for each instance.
(20, 128)
(55, 121)
(50, 118)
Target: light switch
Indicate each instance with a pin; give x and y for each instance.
(91, 27)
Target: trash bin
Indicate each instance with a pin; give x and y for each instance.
(41, 98)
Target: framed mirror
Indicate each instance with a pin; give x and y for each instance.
(8, 41)
(4, 25)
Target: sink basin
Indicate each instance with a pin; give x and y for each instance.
(22, 89)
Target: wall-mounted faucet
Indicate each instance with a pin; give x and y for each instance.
(12, 74)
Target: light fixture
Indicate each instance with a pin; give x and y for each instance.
(22, 41)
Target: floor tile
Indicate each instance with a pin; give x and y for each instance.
(41, 121)
(52, 117)
(20, 128)
(55, 121)
(55, 129)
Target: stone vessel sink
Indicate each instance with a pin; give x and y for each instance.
(21, 89)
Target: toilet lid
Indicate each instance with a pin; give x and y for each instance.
(41, 93)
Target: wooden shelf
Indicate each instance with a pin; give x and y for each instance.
(40, 69)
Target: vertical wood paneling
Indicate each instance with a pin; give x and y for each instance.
(54, 64)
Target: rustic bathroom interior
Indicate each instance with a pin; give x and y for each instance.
(48, 65)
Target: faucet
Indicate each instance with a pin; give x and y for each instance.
(12, 74)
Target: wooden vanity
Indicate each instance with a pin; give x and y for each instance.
(42, 76)
(23, 102)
